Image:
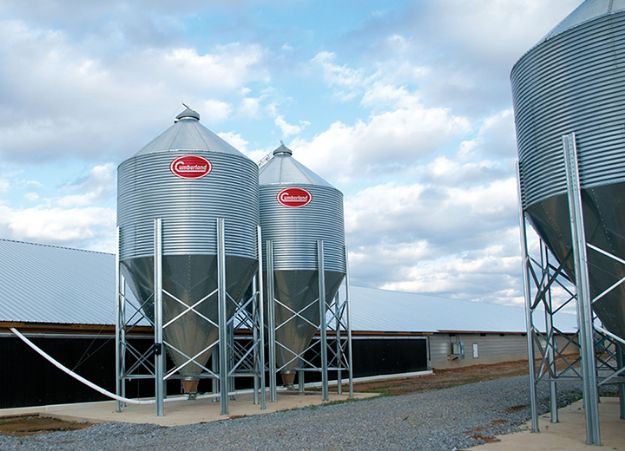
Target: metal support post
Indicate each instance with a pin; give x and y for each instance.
(529, 325)
(551, 340)
(223, 332)
(620, 360)
(119, 325)
(322, 320)
(215, 369)
(122, 336)
(159, 355)
(584, 312)
(348, 301)
(231, 358)
(255, 340)
(301, 381)
(339, 348)
(271, 317)
(261, 320)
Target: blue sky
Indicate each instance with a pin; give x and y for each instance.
(405, 106)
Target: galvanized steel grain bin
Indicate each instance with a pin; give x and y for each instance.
(574, 81)
(188, 177)
(297, 208)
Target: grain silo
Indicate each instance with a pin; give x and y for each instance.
(573, 81)
(297, 210)
(188, 177)
(569, 104)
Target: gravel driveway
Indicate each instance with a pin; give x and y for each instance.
(437, 420)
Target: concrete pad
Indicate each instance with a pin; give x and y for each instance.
(569, 433)
(177, 412)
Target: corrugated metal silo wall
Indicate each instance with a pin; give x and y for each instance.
(147, 189)
(572, 82)
(295, 230)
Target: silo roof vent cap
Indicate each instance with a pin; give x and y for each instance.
(283, 150)
(188, 113)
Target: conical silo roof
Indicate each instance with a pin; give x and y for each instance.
(282, 169)
(588, 10)
(189, 135)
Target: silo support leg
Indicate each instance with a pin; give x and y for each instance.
(350, 360)
(119, 326)
(551, 340)
(300, 381)
(256, 357)
(584, 300)
(322, 320)
(215, 369)
(271, 326)
(339, 349)
(261, 321)
(620, 358)
(223, 328)
(159, 363)
(529, 321)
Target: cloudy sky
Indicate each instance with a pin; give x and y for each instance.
(405, 106)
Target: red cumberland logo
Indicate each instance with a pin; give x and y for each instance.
(190, 167)
(294, 197)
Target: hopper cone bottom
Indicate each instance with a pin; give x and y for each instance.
(604, 224)
(189, 278)
(298, 290)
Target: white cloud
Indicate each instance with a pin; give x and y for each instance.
(250, 107)
(500, 31)
(62, 105)
(290, 129)
(445, 216)
(452, 171)
(79, 218)
(482, 275)
(383, 94)
(387, 140)
(348, 81)
(462, 242)
(445, 273)
(215, 110)
(89, 227)
(4, 186)
(241, 144)
(459, 53)
(234, 139)
(98, 185)
(60, 225)
(229, 67)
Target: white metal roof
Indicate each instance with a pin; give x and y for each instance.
(51, 284)
(396, 311)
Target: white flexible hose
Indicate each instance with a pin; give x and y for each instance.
(609, 334)
(77, 376)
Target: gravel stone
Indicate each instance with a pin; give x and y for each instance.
(448, 419)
